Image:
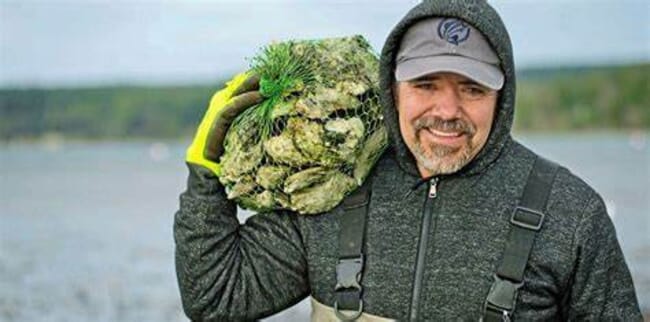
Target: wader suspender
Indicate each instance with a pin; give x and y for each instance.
(349, 270)
(526, 221)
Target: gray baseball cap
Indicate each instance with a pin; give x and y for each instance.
(448, 45)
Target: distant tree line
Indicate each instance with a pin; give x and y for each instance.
(584, 98)
(98, 113)
(560, 99)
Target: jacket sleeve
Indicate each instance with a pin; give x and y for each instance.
(601, 288)
(232, 272)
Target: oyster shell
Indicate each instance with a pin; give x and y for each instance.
(262, 201)
(243, 161)
(245, 186)
(282, 150)
(324, 101)
(305, 178)
(286, 107)
(307, 137)
(370, 153)
(324, 196)
(345, 135)
(271, 176)
(282, 200)
(355, 88)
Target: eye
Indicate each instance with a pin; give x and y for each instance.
(474, 91)
(424, 85)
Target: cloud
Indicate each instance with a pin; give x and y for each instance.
(172, 41)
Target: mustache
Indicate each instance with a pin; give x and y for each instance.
(436, 123)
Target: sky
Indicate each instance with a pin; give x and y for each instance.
(92, 42)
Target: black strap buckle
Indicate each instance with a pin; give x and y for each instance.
(348, 278)
(348, 273)
(527, 218)
(502, 296)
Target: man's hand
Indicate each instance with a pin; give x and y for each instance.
(207, 147)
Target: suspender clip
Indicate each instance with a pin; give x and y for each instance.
(348, 287)
(502, 297)
(348, 273)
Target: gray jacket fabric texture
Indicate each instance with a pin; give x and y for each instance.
(229, 271)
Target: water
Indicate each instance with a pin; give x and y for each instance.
(86, 228)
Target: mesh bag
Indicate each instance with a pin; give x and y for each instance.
(317, 134)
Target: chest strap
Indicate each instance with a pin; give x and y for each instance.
(349, 270)
(526, 221)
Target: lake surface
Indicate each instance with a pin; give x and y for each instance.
(86, 228)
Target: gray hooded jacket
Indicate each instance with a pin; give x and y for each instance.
(576, 271)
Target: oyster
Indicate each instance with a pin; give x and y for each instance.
(324, 196)
(355, 88)
(271, 176)
(370, 153)
(285, 107)
(245, 186)
(323, 101)
(262, 201)
(346, 135)
(281, 149)
(305, 178)
(307, 137)
(282, 200)
(243, 161)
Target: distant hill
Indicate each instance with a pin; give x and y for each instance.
(103, 112)
(575, 98)
(542, 73)
(584, 98)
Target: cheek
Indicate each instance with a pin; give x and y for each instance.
(409, 108)
(405, 109)
(405, 124)
(483, 121)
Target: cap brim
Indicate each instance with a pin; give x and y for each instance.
(483, 73)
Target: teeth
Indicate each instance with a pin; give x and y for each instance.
(445, 134)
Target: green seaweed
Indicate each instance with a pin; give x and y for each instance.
(281, 74)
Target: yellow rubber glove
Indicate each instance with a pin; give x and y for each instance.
(239, 94)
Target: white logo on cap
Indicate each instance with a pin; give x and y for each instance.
(454, 31)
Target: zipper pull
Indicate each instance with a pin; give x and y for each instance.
(433, 188)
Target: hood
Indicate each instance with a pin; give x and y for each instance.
(483, 17)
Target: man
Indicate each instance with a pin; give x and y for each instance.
(459, 221)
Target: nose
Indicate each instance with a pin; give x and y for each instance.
(448, 103)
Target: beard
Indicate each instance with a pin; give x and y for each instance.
(441, 159)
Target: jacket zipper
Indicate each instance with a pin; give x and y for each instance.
(427, 218)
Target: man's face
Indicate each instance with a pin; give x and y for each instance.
(445, 120)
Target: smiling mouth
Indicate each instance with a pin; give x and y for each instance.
(453, 138)
(445, 134)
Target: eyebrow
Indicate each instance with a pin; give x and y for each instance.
(469, 82)
(426, 78)
(430, 78)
